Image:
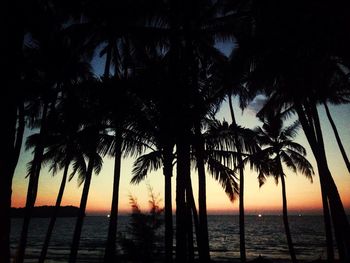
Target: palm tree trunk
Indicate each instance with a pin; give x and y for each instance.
(193, 211)
(10, 142)
(19, 135)
(203, 241)
(81, 213)
(311, 137)
(11, 117)
(6, 170)
(241, 185)
(32, 186)
(168, 213)
(327, 223)
(189, 232)
(340, 144)
(5, 208)
(110, 253)
(285, 219)
(312, 128)
(339, 217)
(54, 215)
(183, 170)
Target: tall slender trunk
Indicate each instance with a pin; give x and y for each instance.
(327, 222)
(81, 213)
(241, 185)
(54, 214)
(10, 144)
(11, 115)
(189, 232)
(312, 128)
(168, 213)
(337, 137)
(309, 131)
(5, 207)
(32, 186)
(192, 211)
(183, 170)
(203, 241)
(7, 141)
(111, 251)
(285, 217)
(339, 217)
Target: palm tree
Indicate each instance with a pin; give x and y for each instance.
(61, 152)
(88, 141)
(296, 75)
(278, 147)
(56, 63)
(154, 161)
(240, 166)
(122, 106)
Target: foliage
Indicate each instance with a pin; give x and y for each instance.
(141, 242)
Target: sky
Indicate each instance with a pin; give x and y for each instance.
(303, 196)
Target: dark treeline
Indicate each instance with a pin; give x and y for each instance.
(46, 211)
(164, 80)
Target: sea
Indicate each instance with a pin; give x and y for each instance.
(265, 237)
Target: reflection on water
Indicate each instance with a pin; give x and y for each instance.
(264, 236)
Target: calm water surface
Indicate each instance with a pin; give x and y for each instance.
(264, 236)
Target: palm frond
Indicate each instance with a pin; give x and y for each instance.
(288, 161)
(295, 147)
(78, 166)
(225, 176)
(144, 164)
(227, 158)
(302, 165)
(291, 131)
(98, 163)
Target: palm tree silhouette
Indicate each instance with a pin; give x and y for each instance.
(277, 148)
(296, 76)
(122, 109)
(56, 63)
(62, 151)
(88, 141)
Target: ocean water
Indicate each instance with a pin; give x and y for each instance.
(265, 236)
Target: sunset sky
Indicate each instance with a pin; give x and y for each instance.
(303, 196)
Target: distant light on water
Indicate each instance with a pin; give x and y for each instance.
(259, 215)
(108, 216)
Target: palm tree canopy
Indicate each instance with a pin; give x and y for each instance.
(277, 146)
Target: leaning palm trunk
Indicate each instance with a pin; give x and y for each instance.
(241, 185)
(337, 137)
(203, 240)
(54, 215)
(110, 253)
(327, 222)
(309, 119)
(81, 213)
(168, 214)
(285, 217)
(32, 186)
(10, 142)
(183, 170)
